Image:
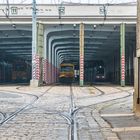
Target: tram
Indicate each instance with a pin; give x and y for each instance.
(20, 72)
(100, 73)
(66, 74)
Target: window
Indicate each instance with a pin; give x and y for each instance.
(100, 71)
(61, 10)
(66, 69)
(102, 10)
(14, 10)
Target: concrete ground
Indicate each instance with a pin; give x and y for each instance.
(104, 112)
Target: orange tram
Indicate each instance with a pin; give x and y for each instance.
(15, 71)
(66, 74)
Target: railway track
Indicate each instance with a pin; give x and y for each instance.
(75, 110)
(5, 119)
(70, 116)
(73, 116)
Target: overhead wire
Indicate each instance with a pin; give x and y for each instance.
(7, 12)
(23, 1)
(71, 1)
(111, 1)
(105, 7)
(127, 2)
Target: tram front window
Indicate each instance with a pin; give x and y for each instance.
(66, 68)
(100, 71)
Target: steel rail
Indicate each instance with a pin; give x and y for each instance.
(72, 116)
(24, 107)
(76, 110)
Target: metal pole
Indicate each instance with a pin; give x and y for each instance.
(122, 53)
(34, 40)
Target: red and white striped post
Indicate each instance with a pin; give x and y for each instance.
(122, 53)
(37, 32)
(81, 35)
(37, 67)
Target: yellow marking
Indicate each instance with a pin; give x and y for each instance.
(125, 129)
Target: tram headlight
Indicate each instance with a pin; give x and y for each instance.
(97, 77)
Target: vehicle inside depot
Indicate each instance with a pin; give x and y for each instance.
(95, 72)
(70, 70)
(66, 74)
(14, 70)
(61, 58)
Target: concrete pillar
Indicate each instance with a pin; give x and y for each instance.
(122, 54)
(54, 68)
(117, 67)
(114, 69)
(81, 56)
(40, 48)
(37, 72)
(57, 63)
(126, 64)
(34, 81)
(136, 102)
(45, 61)
(50, 61)
(131, 73)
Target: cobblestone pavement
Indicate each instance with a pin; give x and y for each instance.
(11, 101)
(100, 113)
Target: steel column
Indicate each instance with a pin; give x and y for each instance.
(37, 50)
(40, 50)
(122, 54)
(137, 87)
(49, 62)
(45, 61)
(81, 56)
(34, 39)
(130, 64)
(34, 81)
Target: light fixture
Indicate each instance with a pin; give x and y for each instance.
(94, 26)
(14, 25)
(115, 27)
(74, 25)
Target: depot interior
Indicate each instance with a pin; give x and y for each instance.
(101, 49)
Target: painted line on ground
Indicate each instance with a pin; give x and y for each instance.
(117, 115)
(126, 129)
